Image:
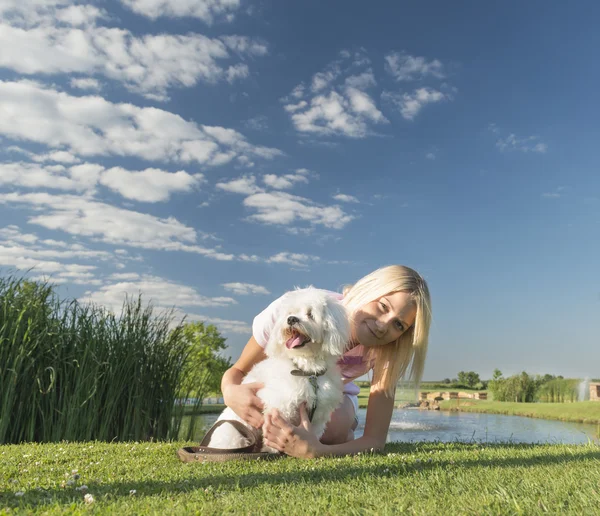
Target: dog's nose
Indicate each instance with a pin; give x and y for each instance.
(292, 319)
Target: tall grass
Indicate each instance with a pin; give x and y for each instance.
(559, 390)
(77, 372)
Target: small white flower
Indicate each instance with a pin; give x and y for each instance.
(88, 498)
(74, 471)
(82, 488)
(132, 492)
(19, 493)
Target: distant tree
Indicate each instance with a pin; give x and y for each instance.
(447, 381)
(469, 378)
(497, 375)
(204, 366)
(519, 388)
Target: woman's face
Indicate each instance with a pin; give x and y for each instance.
(382, 321)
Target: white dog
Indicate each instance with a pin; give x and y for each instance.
(310, 333)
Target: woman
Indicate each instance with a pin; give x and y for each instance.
(390, 314)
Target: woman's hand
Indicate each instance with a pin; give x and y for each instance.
(297, 441)
(242, 399)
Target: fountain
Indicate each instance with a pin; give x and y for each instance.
(584, 390)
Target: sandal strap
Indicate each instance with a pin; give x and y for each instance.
(254, 446)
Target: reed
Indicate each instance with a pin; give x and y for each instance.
(78, 372)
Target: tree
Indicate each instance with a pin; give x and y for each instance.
(519, 387)
(469, 378)
(204, 366)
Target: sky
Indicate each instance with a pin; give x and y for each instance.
(213, 154)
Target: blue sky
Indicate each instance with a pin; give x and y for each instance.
(214, 154)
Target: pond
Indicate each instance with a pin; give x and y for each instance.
(412, 425)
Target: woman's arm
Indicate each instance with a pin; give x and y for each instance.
(242, 398)
(300, 441)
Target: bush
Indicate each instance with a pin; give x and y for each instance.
(559, 390)
(518, 388)
(77, 372)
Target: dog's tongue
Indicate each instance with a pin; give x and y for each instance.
(294, 341)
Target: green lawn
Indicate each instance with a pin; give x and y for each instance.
(578, 412)
(426, 478)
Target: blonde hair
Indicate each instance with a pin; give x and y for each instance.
(408, 352)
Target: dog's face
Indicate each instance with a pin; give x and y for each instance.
(311, 324)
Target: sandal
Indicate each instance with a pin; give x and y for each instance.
(205, 453)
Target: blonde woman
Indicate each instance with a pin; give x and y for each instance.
(390, 314)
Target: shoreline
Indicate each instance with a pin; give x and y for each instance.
(576, 412)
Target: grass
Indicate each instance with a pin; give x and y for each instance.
(422, 478)
(576, 412)
(79, 372)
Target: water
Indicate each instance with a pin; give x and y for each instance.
(428, 425)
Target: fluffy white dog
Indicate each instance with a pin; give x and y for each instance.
(310, 334)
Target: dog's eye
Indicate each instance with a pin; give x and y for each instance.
(310, 315)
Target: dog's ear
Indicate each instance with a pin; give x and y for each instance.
(337, 327)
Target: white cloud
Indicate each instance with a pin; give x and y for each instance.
(245, 185)
(294, 259)
(244, 289)
(124, 276)
(24, 251)
(281, 208)
(208, 11)
(239, 71)
(322, 80)
(286, 181)
(528, 144)
(51, 39)
(33, 175)
(150, 185)
(345, 198)
(86, 83)
(244, 45)
(361, 81)
(109, 224)
(162, 293)
(410, 104)
(56, 156)
(333, 114)
(337, 103)
(93, 126)
(223, 325)
(257, 123)
(554, 195)
(404, 67)
(29, 13)
(430, 155)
